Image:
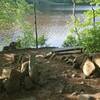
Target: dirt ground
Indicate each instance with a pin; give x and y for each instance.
(56, 81)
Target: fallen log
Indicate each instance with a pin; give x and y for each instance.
(88, 67)
(67, 49)
(64, 51)
(68, 53)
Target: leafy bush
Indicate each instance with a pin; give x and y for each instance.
(28, 40)
(41, 40)
(88, 31)
(70, 41)
(90, 39)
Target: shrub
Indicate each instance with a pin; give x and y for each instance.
(90, 39)
(70, 41)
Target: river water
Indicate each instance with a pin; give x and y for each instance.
(56, 23)
(53, 24)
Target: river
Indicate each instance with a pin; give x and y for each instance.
(54, 26)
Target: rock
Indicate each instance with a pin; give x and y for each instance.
(28, 83)
(12, 84)
(86, 97)
(88, 67)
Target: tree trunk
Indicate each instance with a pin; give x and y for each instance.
(35, 16)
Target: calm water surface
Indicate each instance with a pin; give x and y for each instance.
(55, 26)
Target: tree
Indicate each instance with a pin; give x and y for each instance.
(89, 31)
(12, 12)
(35, 16)
(12, 15)
(75, 18)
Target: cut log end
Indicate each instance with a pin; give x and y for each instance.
(88, 67)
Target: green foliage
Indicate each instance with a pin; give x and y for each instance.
(89, 35)
(82, 1)
(70, 1)
(28, 39)
(41, 40)
(12, 13)
(70, 41)
(95, 1)
(90, 39)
